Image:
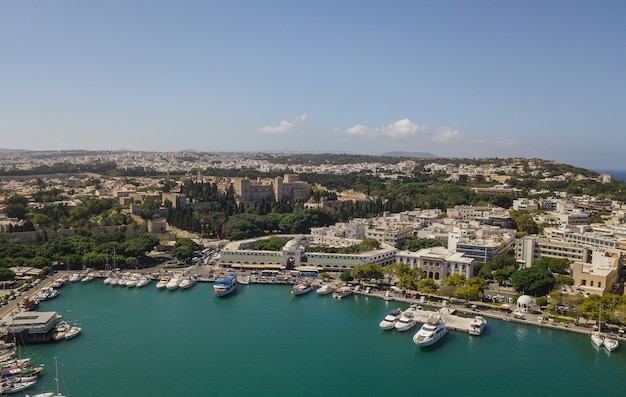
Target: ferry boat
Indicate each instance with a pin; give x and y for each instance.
(225, 285)
(477, 326)
(431, 332)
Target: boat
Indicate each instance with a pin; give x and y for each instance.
(610, 342)
(342, 292)
(74, 331)
(60, 330)
(10, 387)
(143, 281)
(162, 282)
(187, 282)
(107, 280)
(477, 326)
(58, 283)
(225, 285)
(597, 337)
(27, 304)
(301, 288)
(132, 281)
(75, 277)
(406, 321)
(389, 322)
(325, 289)
(244, 280)
(431, 332)
(88, 278)
(115, 280)
(174, 282)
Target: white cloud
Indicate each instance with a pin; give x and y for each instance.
(400, 129)
(284, 126)
(446, 135)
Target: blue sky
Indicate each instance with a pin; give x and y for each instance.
(494, 78)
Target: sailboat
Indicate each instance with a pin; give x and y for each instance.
(597, 337)
(56, 379)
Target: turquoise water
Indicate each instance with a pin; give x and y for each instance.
(265, 342)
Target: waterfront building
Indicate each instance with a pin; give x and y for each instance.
(438, 262)
(598, 276)
(29, 327)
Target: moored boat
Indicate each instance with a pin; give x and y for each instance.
(225, 285)
(187, 282)
(143, 281)
(389, 322)
(431, 332)
(406, 321)
(162, 282)
(610, 342)
(10, 387)
(325, 289)
(174, 282)
(477, 326)
(342, 292)
(301, 288)
(73, 332)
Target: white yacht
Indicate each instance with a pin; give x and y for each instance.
(325, 289)
(301, 288)
(174, 282)
(88, 278)
(75, 277)
(406, 321)
(342, 292)
(389, 322)
(162, 282)
(597, 338)
(143, 281)
(477, 326)
(187, 282)
(610, 342)
(432, 331)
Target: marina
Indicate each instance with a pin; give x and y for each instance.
(344, 327)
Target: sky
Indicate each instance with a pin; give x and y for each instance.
(481, 78)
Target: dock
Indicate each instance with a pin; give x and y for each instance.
(453, 322)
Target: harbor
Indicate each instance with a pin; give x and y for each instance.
(219, 338)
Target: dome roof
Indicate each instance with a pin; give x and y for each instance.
(292, 245)
(525, 300)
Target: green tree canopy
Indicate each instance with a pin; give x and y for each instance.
(533, 280)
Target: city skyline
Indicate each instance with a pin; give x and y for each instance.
(473, 79)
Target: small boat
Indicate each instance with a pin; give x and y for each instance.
(389, 322)
(477, 326)
(60, 330)
(301, 288)
(88, 278)
(75, 278)
(244, 280)
(187, 282)
(107, 280)
(342, 292)
(174, 282)
(27, 304)
(58, 283)
(132, 281)
(226, 284)
(597, 337)
(325, 289)
(162, 282)
(74, 331)
(432, 331)
(406, 321)
(610, 342)
(9, 387)
(143, 281)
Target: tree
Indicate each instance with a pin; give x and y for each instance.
(184, 249)
(346, 276)
(416, 243)
(367, 271)
(534, 280)
(455, 280)
(427, 285)
(6, 274)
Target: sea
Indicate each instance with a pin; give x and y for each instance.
(620, 175)
(263, 341)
